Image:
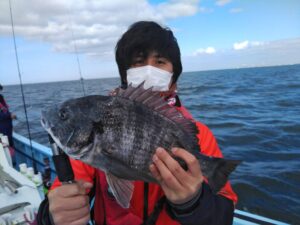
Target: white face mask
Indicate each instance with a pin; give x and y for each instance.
(154, 77)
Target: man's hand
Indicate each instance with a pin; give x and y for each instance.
(114, 92)
(179, 185)
(13, 116)
(69, 204)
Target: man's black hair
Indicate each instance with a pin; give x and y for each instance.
(1, 88)
(143, 38)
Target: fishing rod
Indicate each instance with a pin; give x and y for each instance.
(77, 57)
(78, 63)
(22, 90)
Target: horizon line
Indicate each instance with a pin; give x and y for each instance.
(192, 71)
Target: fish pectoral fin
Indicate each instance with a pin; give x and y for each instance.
(121, 189)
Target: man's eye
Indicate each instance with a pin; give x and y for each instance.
(160, 61)
(137, 61)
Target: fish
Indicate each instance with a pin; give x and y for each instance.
(120, 134)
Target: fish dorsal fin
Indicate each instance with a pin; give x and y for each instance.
(154, 101)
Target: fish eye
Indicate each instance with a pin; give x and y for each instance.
(63, 114)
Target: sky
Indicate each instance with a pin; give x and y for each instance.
(212, 34)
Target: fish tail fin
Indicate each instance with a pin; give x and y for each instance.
(221, 169)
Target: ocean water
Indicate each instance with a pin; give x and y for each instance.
(254, 114)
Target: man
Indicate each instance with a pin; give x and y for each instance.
(148, 52)
(6, 117)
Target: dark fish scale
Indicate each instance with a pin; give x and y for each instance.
(138, 128)
(139, 158)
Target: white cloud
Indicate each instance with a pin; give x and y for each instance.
(176, 8)
(96, 25)
(257, 43)
(208, 50)
(205, 10)
(246, 44)
(222, 2)
(279, 52)
(241, 45)
(236, 10)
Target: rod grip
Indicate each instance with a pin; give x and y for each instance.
(63, 168)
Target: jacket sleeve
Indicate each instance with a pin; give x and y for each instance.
(4, 115)
(43, 216)
(206, 209)
(81, 172)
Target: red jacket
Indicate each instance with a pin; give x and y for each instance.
(107, 209)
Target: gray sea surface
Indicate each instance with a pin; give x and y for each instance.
(254, 113)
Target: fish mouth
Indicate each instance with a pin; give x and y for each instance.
(76, 153)
(44, 123)
(48, 127)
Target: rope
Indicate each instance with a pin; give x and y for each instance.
(21, 85)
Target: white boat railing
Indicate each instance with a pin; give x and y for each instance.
(246, 218)
(39, 153)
